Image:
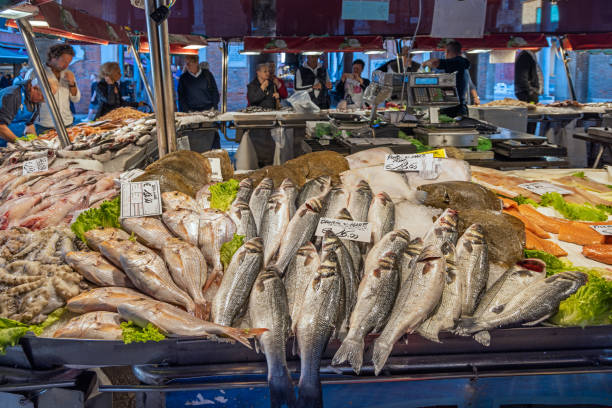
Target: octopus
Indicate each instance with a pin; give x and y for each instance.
(34, 279)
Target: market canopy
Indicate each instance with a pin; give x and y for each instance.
(587, 41)
(492, 42)
(179, 44)
(313, 44)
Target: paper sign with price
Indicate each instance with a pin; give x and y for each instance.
(603, 229)
(36, 165)
(140, 199)
(215, 166)
(541, 188)
(344, 229)
(406, 162)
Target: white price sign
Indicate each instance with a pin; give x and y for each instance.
(603, 229)
(406, 162)
(541, 188)
(36, 165)
(128, 176)
(344, 229)
(215, 166)
(140, 199)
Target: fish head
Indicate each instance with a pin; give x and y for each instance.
(534, 265)
(344, 214)
(363, 188)
(448, 250)
(569, 282)
(133, 311)
(104, 234)
(385, 265)
(449, 219)
(430, 253)
(266, 184)
(330, 241)
(287, 184)
(265, 276)
(476, 234)
(400, 234)
(246, 183)
(323, 181)
(136, 255)
(314, 205)
(383, 198)
(254, 245)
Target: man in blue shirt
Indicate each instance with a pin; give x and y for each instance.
(12, 99)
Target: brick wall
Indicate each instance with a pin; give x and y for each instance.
(600, 72)
(238, 79)
(82, 71)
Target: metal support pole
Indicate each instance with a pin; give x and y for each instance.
(153, 35)
(224, 75)
(565, 58)
(143, 75)
(28, 38)
(167, 81)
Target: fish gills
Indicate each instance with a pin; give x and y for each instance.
(259, 200)
(444, 229)
(408, 258)
(473, 262)
(274, 223)
(289, 188)
(268, 309)
(381, 215)
(359, 201)
(245, 189)
(96, 269)
(299, 274)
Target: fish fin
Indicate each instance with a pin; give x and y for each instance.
(201, 311)
(426, 334)
(350, 350)
(380, 355)
(498, 309)
(243, 335)
(281, 390)
(540, 320)
(466, 326)
(483, 337)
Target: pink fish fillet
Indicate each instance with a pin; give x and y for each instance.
(16, 209)
(57, 212)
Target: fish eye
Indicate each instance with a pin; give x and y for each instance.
(446, 197)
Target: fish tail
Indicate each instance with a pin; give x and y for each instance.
(467, 326)
(281, 390)
(350, 350)
(309, 393)
(380, 354)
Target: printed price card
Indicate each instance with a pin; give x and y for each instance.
(140, 199)
(344, 229)
(215, 166)
(541, 188)
(36, 165)
(603, 229)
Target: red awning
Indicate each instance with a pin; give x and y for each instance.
(179, 44)
(491, 41)
(587, 41)
(305, 44)
(75, 25)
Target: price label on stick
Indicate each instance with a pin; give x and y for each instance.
(140, 199)
(406, 162)
(36, 165)
(541, 188)
(603, 229)
(344, 229)
(215, 166)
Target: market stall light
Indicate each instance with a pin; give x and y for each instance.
(418, 51)
(478, 51)
(13, 13)
(312, 52)
(39, 23)
(374, 52)
(194, 46)
(250, 52)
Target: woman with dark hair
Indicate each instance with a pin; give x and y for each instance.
(108, 93)
(351, 85)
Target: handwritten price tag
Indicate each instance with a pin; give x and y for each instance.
(215, 166)
(603, 229)
(140, 199)
(36, 165)
(406, 162)
(541, 188)
(352, 230)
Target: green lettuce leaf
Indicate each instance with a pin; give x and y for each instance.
(136, 334)
(524, 200)
(11, 330)
(484, 144)
(229, 249)
(552, 262)
(107, 215)
(584, 212)
(579, 174)
(223, 194)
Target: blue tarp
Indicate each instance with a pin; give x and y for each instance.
(13, 55)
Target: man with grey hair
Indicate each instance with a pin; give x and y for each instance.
(27, 95)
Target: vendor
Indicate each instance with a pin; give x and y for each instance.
(262, 91)
(63, 84)
(351, 85)
(313, 77)
(406, 64)
(11, 100)
(527, 77)
(197, 88)
(278, 83)
(108, 91)
(454, 63)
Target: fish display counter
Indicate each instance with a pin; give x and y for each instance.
(336, 270)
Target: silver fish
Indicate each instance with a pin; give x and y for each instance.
(515, 279)
(274, 223)
(289, 188)
(359, 201)
(96, 236)
(352, 246)
(321, 313)
(444, 229)
(103, 299)
(173, 321)
(259, 200)
(381, 215)
(395, 242)
(113, 248)
(349, 276)
(149, 274)
(337, 199)
(245, 189)
(300, 230)
(377, 292)
(237, 282)
(216, 228)
(532, 305)
(149, 230)
(185, 224)
(408, 258)
(188, 269)
(473, 264)
(241, 214)
(93, 326)
(317, 187)
(449, 310)
(268, 309)
(175, 200)
(300, 273)
(415, 302)
(96, 269)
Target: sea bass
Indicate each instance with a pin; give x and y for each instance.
(241, 214)
(188, 269)
(337, 199)
(274, 223)
(300, 273)
(444, 229)
(317, 187)
(173, 321)
(96, 269)
(415, 301)
(352, 246)
(259, 200)
(395, 242)
(149, 230)
(96, 236)
(289, 188)
(359, 201)
(103, 299)
(377, 292)
(245, 189)
(321, 313)
(216, 228)
(175, 200)
(237, 282)
(268, 308)
(92, 326)
(473, 264)
(185, 224)
(381, 215)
